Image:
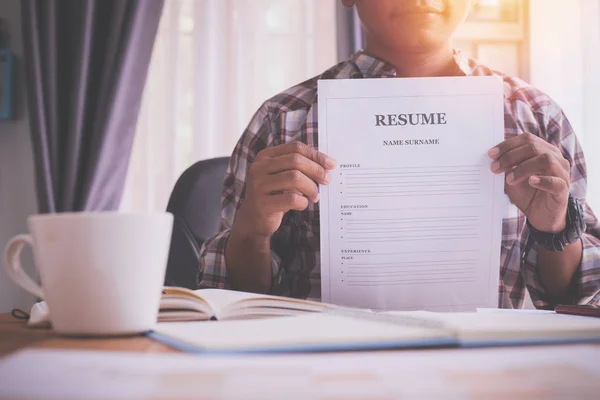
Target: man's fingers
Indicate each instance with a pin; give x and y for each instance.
(515, 142)
(292, 181)
(284, 202)
(303, 149)
(518, 155)
(298, 162)
(545, 164)
(551, 184)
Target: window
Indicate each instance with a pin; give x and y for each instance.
(214, 63)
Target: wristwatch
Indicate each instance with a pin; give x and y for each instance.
(573, 230)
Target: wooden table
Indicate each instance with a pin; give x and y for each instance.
(15, 335)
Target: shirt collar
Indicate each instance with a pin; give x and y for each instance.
(368, 66)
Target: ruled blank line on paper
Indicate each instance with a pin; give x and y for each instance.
(409, 167)
(410, 281)
(379, 274)
(416, 262)
(415, 208)
(454, 237)
(421, 192)
(415, 252)
(417, 219)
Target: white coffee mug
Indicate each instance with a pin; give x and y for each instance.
(101, 273)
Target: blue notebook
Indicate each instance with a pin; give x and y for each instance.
(344, 330)
(348, 330)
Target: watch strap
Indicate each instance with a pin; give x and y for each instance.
(574, 228)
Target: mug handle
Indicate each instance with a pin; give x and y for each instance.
(12, 260)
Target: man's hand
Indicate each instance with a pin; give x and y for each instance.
(280, 179)
(537, 179)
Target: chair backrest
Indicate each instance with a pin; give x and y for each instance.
(196, 207)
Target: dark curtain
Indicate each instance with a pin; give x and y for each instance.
(86, 65)
(350, 37)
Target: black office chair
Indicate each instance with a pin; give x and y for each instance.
(196, 207)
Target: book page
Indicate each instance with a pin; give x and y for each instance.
(227, 304)
(219, 299)
(413, 216)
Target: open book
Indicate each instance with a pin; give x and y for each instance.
(343, 329)
(181, 304)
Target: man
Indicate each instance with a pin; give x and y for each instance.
(269, 240)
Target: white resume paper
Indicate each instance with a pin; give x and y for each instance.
(413, 216)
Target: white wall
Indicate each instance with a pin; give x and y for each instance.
(565, 60)
(17, 192)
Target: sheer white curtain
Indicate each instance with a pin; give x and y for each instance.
(565, 64)
(590, 34)
(214, 63)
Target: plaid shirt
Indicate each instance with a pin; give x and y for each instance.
(292, 116)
